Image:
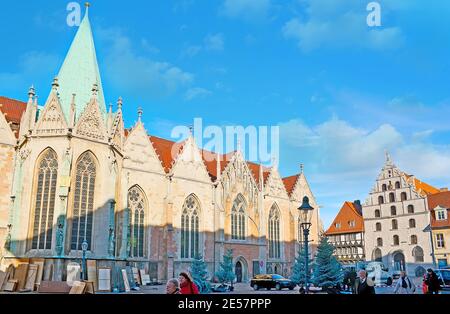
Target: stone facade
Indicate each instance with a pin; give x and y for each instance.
(136, 199)
(395, 218)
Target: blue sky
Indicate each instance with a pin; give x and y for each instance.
(340, 91)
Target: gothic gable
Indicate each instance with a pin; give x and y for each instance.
(275, 185)
(301, 190)
(91, 124)
(140, 151)
(51, 120)
(6, 134)
(189, 162)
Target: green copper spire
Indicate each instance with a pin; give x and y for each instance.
(80, 72)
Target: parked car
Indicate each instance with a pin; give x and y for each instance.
(380, 274)
(444, 278)
(222, 288)
(271, 281)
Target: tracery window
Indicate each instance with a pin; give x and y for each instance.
(190, 228)
(83, 201)
(137, 207)
(238, 218)
(44, 200)
(274, 233)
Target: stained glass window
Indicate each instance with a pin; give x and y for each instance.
(44, 205)
(190, 233)
(274, 233)
(83, 201)
(238, 218)
(136, 204)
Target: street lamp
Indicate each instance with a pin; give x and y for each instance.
(305, 217)
(84, 248)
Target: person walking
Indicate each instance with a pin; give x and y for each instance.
(173, 286)
(187, 285)
(432, 282)
(364, 285)
(404, 285)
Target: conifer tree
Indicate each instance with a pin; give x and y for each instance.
(225, 273)
(327, 271)
(199, 273)
(298, 275)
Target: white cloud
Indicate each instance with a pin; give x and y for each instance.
(339, 24)
(342, 160)
(214, 42)
(32, 66)
(138, 74)
(196, 92)
(246, 9)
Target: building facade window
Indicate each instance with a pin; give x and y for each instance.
(379, 242)
(394, 224)
(396, 240)
(380, 199)
(352, 223)
(440, 241)
(410, 209)
(377, 213)
(377, 255)
(412, 223)
(378, 226)
(418, 254)
(393, 211)
(83, 201)
(403, 196)
(413, 239)
(391, 197)
(137, 207)
(274, 233)
(384, 187)
(190, 228)
(397, 185)
(238, 218)
(44, 200)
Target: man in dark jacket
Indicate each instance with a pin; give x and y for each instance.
(432, 281)
(364, 285)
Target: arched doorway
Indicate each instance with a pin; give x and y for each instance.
(238, 271)
(399, 261)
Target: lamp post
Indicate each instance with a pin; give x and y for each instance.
(84, 248)
(305, 218)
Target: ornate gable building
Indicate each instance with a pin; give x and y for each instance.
(397, 219)
(72, 173)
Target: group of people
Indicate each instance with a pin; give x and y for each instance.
(183, 285)
(404, 285)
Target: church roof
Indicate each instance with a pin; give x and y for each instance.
(80, 72)
(12, 109)
(167, 151)
(289, 183)
(254, 168)
(341, 224)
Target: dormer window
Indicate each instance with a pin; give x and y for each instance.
(441, 213)
(337, 225)
(352, 223)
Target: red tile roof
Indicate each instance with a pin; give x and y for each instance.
(422, 187)
(210, 160)
(254, 168)
(441, 199)
(289, 183)
(347, 213)
(168, 151)
(12, 109)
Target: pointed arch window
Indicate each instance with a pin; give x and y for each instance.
(137, 207)
(190, 233)
(274, 233)
(238, 218)
(83, 201)
(44, 200)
